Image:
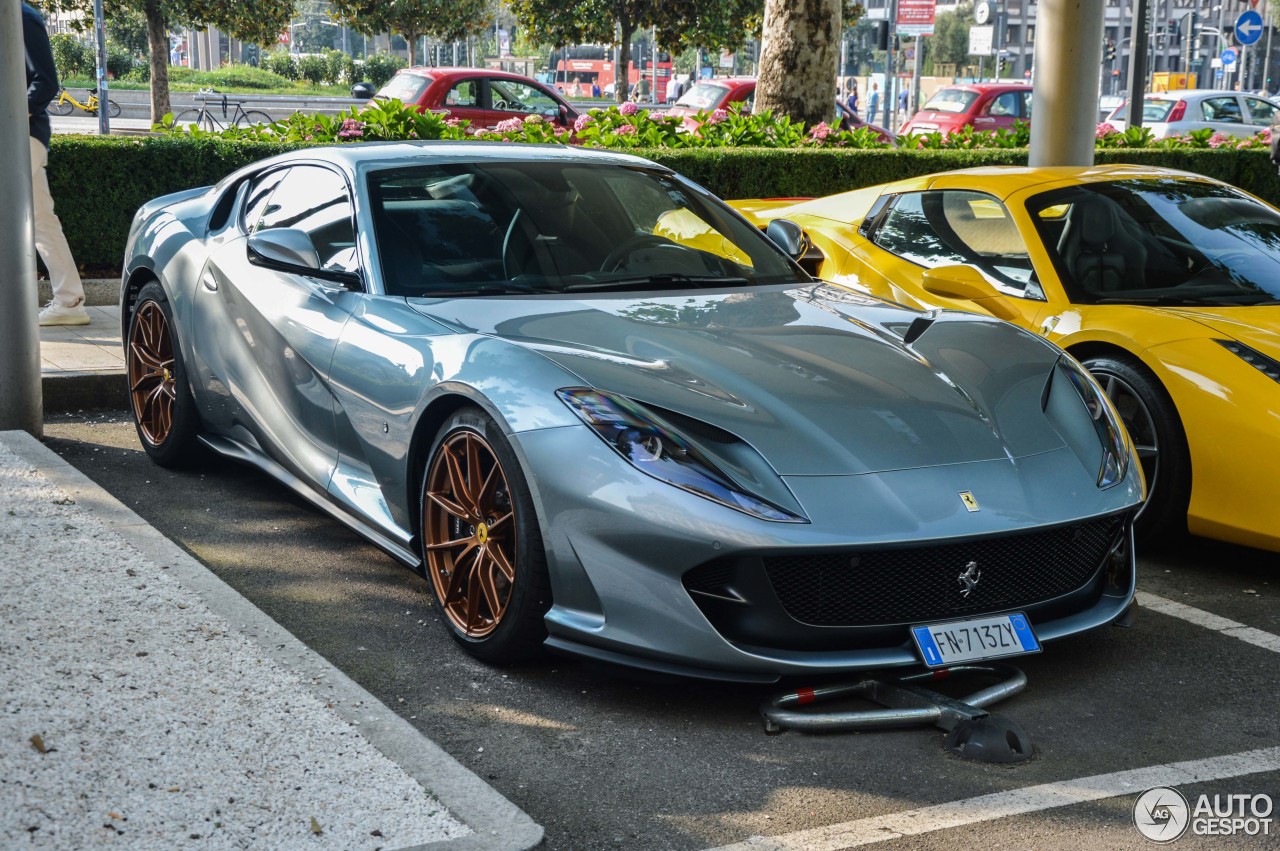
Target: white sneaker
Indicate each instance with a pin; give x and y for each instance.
(56, 314)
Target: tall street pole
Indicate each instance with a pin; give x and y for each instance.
(890, 76)
(1066, 83)
(20, 400)
(100, 32)
(1137, 55)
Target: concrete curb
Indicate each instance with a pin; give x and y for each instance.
(84, 391)
(97, 291)
(498, 824)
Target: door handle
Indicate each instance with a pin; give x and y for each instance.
(209, 282)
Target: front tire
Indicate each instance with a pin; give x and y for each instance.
(481, 546)
(60, 106)
(198, 117)
(1152, 421)
(164, 412)
(113, 109)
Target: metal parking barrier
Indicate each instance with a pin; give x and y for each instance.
(972, 732)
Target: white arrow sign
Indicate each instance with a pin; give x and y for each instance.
(1248, 28)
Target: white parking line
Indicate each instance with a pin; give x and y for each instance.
(1208, 620)
(1015, 802)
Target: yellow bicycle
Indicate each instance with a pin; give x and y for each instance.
(66, 102)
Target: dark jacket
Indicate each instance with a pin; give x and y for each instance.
(42, 74)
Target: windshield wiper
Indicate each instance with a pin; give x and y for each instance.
(661, 281)
(483, 289)
(1171, 301)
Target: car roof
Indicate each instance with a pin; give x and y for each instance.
(987, 87)
(1003, 181)
(441, 72)
(382, 154)
(1192, 93)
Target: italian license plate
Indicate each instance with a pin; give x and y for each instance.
(974, 640)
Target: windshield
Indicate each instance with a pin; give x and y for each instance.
(1156, 110)
(406, 88)
(1165, 241)
(457, 229)
(703, 96)
(951, 100)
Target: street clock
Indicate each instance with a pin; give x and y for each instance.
(981, 12)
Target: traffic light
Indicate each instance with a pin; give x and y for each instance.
(1111, 51)
(882, 35)
(1175, 32)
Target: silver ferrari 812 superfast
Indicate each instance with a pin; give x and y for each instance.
(600, 412)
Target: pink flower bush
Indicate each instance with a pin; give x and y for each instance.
(453, 122)
(1217, 140)
(628, 108)
(717, 116)
(820, 131)
(627, 130)
(509, 125)
(1106, 128)
(657, 115)
(533, 119)
(351, 129)
(582, 122)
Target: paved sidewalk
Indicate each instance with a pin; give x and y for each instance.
(82, 366)
(145, 704)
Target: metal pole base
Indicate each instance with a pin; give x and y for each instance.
(973, 733)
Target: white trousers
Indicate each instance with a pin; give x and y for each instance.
(68, 291)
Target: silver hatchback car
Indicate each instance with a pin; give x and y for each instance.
(1174, 113)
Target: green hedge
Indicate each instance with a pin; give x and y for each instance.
(98, 183)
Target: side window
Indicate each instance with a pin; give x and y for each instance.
(1260, 111)
(259, 193)
(511, 96)
(464, 93)
(1224, 110)
(1005, 105)
(1026, 105)
(315, 200)
(941, 228)
(749, 102)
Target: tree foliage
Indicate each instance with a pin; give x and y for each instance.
(254, 21)
(680, 24)
(950, 42)
(447, 20)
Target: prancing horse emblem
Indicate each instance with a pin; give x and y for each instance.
(969, 502)
(969, 579)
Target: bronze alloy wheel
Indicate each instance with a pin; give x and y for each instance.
(469, 528)
(152, 384)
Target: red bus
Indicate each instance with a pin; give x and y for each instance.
(575, 69)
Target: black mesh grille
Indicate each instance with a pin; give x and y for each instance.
(914, 585)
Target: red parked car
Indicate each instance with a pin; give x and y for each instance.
(479, 95)
(722, 92)
(984, 106)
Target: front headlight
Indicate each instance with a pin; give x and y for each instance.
(1106, 422)
(655, 448)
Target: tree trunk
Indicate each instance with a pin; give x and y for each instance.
(798, 57)
(158, 45)
(622, 74)
(411, 39)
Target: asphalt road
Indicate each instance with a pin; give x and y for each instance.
(604, 759)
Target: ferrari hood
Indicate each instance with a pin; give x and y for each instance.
(1258, 326)
(819, 380)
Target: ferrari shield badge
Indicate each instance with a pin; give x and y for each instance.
(969, 502)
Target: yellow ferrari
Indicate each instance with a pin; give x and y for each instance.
(1166, 285)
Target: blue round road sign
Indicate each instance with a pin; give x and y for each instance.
(1249, 27)
(1228, 57)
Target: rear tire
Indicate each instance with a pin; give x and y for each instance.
(164, 411)
(252, 118)
(1152, 421)
(113, 109)
(198, 117)
(481, 545)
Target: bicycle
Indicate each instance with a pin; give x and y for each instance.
(207, 119)
(67, 102)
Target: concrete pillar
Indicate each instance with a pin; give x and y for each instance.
(1068, 56)
(20, 399)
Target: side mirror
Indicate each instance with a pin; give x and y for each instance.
(788, 236)
(968, 284)
(289, 249)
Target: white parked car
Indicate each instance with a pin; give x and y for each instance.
(1177, 112)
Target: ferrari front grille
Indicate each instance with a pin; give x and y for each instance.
(922, 584)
